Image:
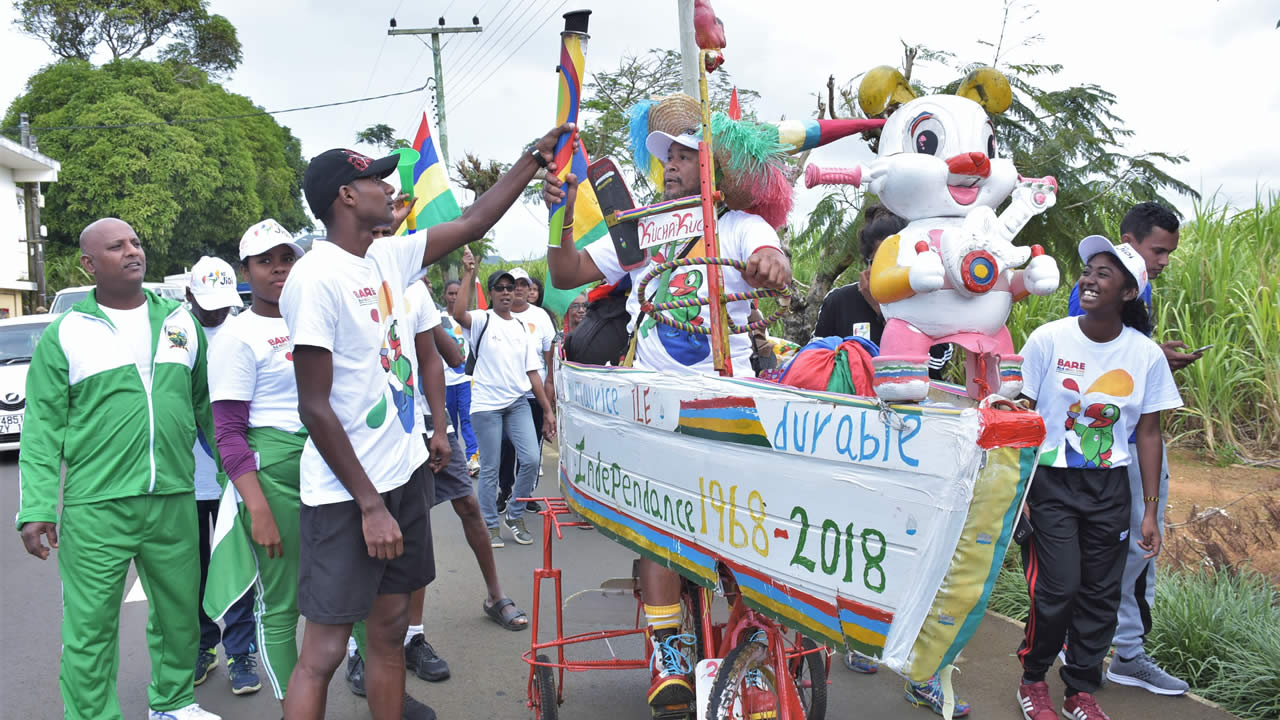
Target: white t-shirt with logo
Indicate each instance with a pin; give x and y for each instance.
(1092, 394)
(661, 347)
(252, 361)
(458, 375)
(505, 357)
(542, 332)
(424, 316)
(134, 326)
(354, 307)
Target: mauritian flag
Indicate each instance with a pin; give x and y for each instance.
(588, 227)
(434, 202)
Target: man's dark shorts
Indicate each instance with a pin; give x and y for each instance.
(453, 481)
(337, 580)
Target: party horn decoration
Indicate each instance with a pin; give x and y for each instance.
(573, 46)
(408, 159)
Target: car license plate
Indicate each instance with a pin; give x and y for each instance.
(10, 424)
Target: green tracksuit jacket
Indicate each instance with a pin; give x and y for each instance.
(128, 496)
(87, 406)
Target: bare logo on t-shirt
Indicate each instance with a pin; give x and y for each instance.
(1070, 367)
(365, 296)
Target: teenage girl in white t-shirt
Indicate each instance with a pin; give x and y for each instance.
(260, 438)
(1093, 379)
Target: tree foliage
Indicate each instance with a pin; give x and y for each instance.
(608, 95)
(187, 189)
(381, 136)
(1072, 134)
(75, 29)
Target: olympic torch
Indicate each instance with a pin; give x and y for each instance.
(573, 47)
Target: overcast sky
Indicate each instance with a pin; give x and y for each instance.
(1192, 77)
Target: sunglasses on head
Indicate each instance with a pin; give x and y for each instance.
(504, 288)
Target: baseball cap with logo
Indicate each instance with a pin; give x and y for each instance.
(519, 274)
(1129, 257)
(213, 284)
(332, 169)
(265, 235)
(658, 142)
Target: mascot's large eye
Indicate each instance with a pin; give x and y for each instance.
(927, 135)
(991, 141)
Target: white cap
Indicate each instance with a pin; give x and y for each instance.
(213, 284)
(1129, 258)
(519, 274)
(264, 236)
(658, 142)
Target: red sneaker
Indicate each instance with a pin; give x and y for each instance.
(1082, 706)
(759, 704)
(670, 688)
(1035, 702)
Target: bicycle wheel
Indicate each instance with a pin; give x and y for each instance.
(691, 619)
(745, 675)
(544, 692)
(810, 675)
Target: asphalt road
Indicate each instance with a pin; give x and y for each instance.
(489, 678)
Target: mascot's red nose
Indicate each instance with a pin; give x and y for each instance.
(974, 163)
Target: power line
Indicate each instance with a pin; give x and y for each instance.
(494, 27)
(469, 76)
(355, 118)
(513, 52)
(241, 116)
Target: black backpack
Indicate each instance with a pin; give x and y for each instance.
(601, 338)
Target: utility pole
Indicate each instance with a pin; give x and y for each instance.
(31, 203)
(435, 34)
(688, 51)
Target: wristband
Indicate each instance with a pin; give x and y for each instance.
(532, 149)
(1151, 498)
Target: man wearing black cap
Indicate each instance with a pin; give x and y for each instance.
(364, 528)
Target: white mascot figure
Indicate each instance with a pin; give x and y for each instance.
(953, 272)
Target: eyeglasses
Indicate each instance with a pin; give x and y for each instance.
(504, 288)
(578, 306)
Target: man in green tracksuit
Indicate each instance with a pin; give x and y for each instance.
(116, 390)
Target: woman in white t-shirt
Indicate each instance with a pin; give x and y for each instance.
(507, 365)
(1093, 379)
(260, 438)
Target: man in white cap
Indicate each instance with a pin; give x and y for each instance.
(211, 292)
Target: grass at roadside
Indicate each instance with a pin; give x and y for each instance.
(1219, 631)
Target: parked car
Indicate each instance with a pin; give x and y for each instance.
(67, 297)
(18, 338)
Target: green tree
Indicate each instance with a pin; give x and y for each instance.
(187, 188)
(381, 136)
(609, 94)
(1072, 134)
(75, 29)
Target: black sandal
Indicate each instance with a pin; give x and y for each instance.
(494, 612)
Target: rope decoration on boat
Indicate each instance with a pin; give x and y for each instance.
(656, 309)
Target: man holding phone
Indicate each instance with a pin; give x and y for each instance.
(1152, 230)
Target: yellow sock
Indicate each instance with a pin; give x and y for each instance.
(662, 617)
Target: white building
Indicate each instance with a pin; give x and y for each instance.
(17, 165)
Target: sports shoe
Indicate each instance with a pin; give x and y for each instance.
(1035, 702)
(244, 678)
(415, 710)
(473, 465)
(1142, 671)
(929, 694)
(1082, 706)
(503, 495)
(670, 668)
(206, 661)
(860, 663)
(190, 712)
(495, 538)
(422, 659)
(518, 531)
(355, 674)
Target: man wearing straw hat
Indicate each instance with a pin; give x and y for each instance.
(674, 127)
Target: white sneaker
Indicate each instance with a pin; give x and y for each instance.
(190, 712)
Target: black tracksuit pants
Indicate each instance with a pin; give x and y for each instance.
(1073, 563)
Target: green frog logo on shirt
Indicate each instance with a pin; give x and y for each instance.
(684, 347)
(1093, 426)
